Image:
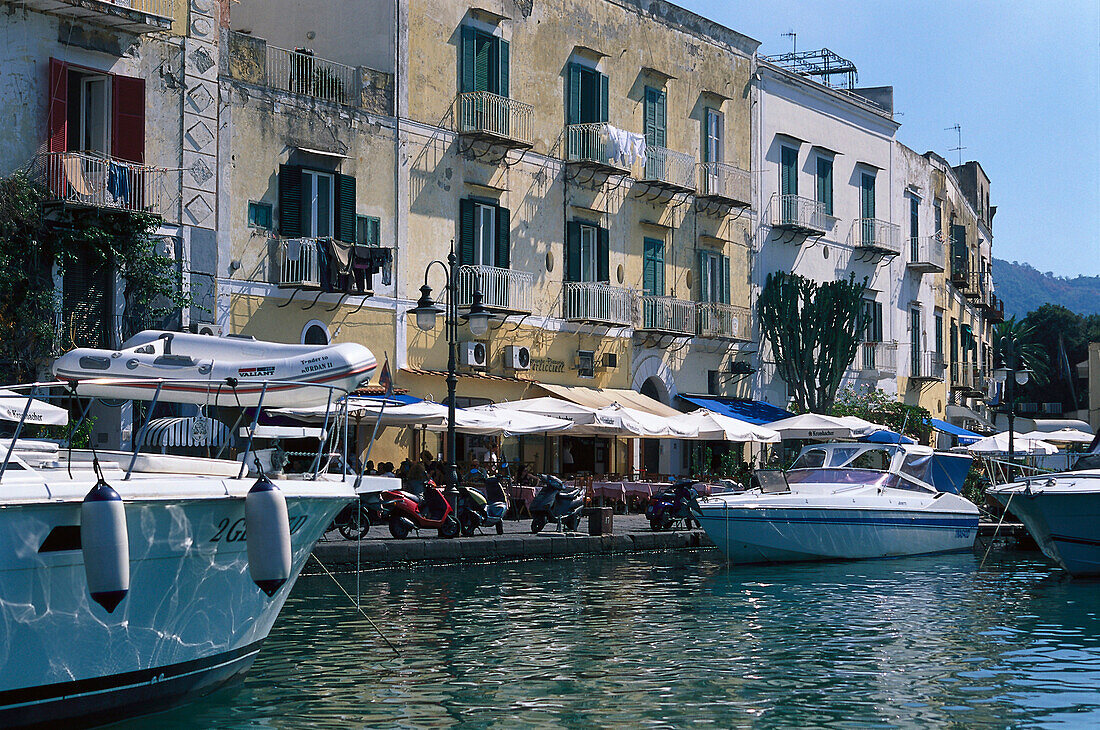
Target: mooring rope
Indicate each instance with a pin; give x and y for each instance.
(357, 608)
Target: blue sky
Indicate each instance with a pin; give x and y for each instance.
(1021, 78)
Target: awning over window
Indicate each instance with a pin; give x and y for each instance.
(602, 397)
(964, 436)
(753, 411)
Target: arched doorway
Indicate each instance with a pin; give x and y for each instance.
(651, 448)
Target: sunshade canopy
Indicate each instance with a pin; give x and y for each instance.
(753, 411)
(601, 397)
(553, 407)
(998, 444)
(394, 410)
(492, 420)
(617, 420)
(711, 426)
(40, 413)
(816, 426)
(964, 436)
(1061, 436)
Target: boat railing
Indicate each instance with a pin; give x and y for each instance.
(335, 410)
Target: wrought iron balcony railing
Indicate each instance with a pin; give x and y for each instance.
(795, 213)
(927, 253)
(880, 357)
(300, 262)
(668, 168)
(666, 315)
(723, 321)
(725, 182)
(504, 289)
(878, 236)
(495, 117)
(925, 365)
(590, 301)
(308, 75)
(91, 180)
(133, 16)
(590, 144)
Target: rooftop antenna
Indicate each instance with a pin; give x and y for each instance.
(959, 148)
(794, 39)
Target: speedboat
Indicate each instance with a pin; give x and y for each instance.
(1062, 513)
(844, 501)
(133, 581)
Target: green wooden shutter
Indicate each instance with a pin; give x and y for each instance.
(573, 251)
(788, 175)
(867, 204)
(574, 94)
(724, 266)
(483, 62)
(700, 278)
(662, 120)
(503, 238)
(655, 117)
(825, 184)
(465, 232)
(603, 255)
(502, 74)
(469, 51)
(604, 98)
(653, 267)
(290, 201)
(345, 208)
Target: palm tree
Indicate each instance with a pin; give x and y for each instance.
(1014, 346)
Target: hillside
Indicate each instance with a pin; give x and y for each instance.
(1023, 288)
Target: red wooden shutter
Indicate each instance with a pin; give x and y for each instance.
(57, 104)
(128, 118)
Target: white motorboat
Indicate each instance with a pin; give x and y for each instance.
(843, 501)
(224, 371)
(1062, 513)
(133, 582)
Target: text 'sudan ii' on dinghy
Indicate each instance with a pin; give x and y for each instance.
(236, 370)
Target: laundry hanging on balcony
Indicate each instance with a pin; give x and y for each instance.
(118, 182)
(625, 148)
(352, 267)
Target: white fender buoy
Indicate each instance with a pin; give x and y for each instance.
(106, 546)
(267, 533)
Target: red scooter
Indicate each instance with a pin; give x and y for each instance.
(409, 512)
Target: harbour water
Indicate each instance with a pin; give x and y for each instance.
(679, 639)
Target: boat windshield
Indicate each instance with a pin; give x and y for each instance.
(866, 477)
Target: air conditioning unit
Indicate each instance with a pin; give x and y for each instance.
(208, 328)
(586, 363)
(475, 355)
(517, 357)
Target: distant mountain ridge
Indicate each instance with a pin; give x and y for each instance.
(1024, 288)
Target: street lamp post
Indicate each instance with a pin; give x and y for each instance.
(1009, 377)
(477, 317)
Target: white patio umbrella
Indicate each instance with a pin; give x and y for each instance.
(1062, 436)
(395, 412)
(553, 407)
(617, 420)
(711, 426)
(998, 444)
(816, 426)
(40, 413)
(492, 420)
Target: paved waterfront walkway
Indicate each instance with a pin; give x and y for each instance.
(630, 533)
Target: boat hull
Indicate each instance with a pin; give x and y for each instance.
(192, 621)
(1063, 523)
(782, 534)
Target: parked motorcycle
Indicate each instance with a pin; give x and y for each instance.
(674, 507)
(410, 512)
(354, 521)
(482, 509)
(556, 502)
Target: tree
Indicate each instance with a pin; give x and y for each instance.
(1014, 346)
(814, 332)
(878, 407)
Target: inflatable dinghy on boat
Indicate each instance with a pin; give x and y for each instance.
(225, 371)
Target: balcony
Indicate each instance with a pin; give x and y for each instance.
(131, 16)
(666, 316)
(995, 309)
(926, 254)
(960, 273)
(926, 366)
(503, 290)
(723, 186)
(798, 215)
(979, 288)
(494, 119)
(668, 170)
(300, 262)
(967, 379)
(91, 180)
(597, 303)
(589, 146)
(875, 238)
(877, 358)
(305, 74)
(718, 321)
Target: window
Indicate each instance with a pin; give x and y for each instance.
(788, 171)
(872, 327)
(867, 196)
(914, 342)
(484, 235)
(811, 459)
(937, 211)
(93, 111)
(714, 384)
(484, 62)
(713, 133)
(315, 334)
(653, 267)
(367, 230)
(914, 218)
(259, 215)
(588, 95)
(318, 204)
(939, 334)
(825, 183)
(714, 277)
(586, 363)
(587, 253)
(656, 117)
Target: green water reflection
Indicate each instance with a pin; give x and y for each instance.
(678, 639)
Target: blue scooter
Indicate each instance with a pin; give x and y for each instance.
(558, 503)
